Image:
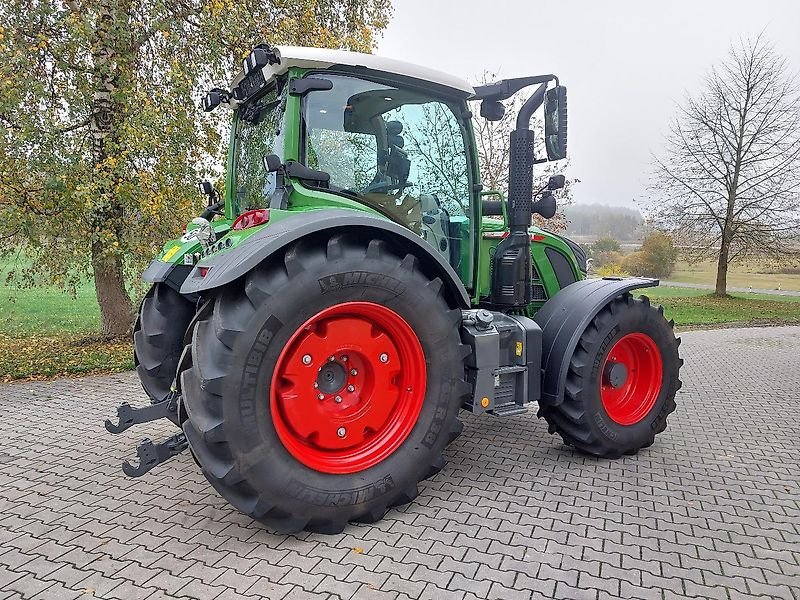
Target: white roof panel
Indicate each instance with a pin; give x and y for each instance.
(322, 58)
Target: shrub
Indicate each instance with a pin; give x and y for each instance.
(612, 270)
(656, 258)
(605, 251)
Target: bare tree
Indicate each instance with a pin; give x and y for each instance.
(727, 182)
(492, 138)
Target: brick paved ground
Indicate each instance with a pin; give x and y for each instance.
(711, 511)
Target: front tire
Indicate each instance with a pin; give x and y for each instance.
(325, 386)
(621, 383)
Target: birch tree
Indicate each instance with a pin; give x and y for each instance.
(103, 138)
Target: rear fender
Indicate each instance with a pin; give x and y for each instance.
(563, 320)
(229, 265)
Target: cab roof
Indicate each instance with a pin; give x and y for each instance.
(323, 58)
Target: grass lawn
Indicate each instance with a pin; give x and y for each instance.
(45, 332)
(753, 274)
(693, 307)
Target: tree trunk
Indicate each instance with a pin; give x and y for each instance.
(108, 216)
(722, 268)
(116, 309)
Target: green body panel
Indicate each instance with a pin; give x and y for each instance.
(491, 231)
(176, 249)
(475, 262)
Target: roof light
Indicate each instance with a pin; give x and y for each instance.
(259, 57)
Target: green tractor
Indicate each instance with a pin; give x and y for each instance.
(315, 335)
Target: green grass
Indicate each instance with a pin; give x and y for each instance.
(693, 308)
(45, 332)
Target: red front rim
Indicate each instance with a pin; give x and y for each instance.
(348, 387)
(631, 378)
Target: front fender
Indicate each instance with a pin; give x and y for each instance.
(225, 267)
(563, 320)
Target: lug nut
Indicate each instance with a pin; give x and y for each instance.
(306, 359)
(344, 357)
(384, 357)
(351, 388)
(316, 385)
(353, 372)
(321, 396)
(338, 398)
(341, 432)
(331, 358)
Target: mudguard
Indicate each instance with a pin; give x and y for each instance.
(228, 266)
(172, 274)
(564, 318)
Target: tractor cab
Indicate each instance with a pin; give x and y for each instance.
(378, 137)
(328, 128)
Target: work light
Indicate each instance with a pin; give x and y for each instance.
(214, 98)
(261, 56)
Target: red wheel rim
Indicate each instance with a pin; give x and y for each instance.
(348, 387)
(631, 378)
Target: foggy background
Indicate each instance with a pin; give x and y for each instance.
(625, 64)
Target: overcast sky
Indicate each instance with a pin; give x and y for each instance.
(625, 62)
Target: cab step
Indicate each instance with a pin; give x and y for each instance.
(508, 410)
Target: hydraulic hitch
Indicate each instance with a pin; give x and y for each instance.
(151, 455)
(128, 415)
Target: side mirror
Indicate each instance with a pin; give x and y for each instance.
(492, 110)
(556, 182)
(545, 206)
(206, 189)
(555, 123)
(272, 163)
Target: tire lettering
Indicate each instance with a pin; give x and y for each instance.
(601, 352)
(601, 423)
(320, 497)
(338, 281)
(248, 390)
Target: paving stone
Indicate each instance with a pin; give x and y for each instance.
(709, 511)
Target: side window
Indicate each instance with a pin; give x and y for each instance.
(260, 132)
(433, 140)
(351, 159)
(400, 151)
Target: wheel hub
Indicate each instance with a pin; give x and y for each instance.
(631, 378)
(332, 377)
(615, 374)
(348, 387)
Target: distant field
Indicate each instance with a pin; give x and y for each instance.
(756, 275)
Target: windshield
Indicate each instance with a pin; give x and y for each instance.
(400, 151)
(259, 133)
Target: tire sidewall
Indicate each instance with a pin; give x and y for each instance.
(262, 458)
(639, 319)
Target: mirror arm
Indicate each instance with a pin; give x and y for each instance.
(531, 104)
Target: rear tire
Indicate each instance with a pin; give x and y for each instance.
(242, 399)
(158, 336)
(609, 410)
